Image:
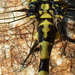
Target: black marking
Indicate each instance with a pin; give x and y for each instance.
(49, 19)
(40, 33)
(58, 10)
(33, 9)
(50, 35)
(44, 65)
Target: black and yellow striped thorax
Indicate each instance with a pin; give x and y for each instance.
(43, 10)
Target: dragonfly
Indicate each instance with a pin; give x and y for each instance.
(22, 34)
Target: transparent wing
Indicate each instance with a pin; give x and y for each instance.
(63, 52)
(16, 35)
(69, 28)
(66, 28)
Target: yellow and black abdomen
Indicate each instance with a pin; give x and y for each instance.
(46, 35)
(46, 30)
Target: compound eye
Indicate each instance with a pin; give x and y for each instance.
(31, 5)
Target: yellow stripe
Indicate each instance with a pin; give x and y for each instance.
(51, 11)
(28, 1)
(45, 28)
(46, 15)
(44, 52)
(33, 0)
(57, 5)
(45, 6)
(45, 22)
(43, 73)
(36, 36)
(59, 16)
(57, 0)
(40, 12)
(32, 16)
